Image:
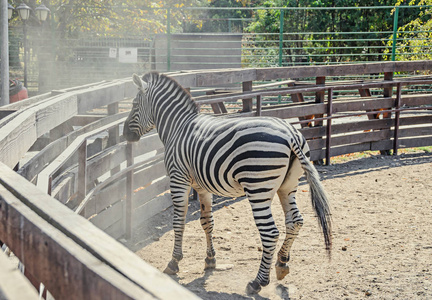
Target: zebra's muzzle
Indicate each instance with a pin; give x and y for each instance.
(129, 135)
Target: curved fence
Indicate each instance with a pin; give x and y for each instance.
(77, 181)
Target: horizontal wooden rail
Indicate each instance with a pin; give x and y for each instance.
(69, 244)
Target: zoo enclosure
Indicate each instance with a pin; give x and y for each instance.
(83, 162)
(57, 63)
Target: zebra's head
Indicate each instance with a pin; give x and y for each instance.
(140, 120)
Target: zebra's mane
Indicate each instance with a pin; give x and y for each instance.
(157, 78)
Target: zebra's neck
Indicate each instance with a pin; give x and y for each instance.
(172, 105)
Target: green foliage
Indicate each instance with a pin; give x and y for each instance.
(414, 37)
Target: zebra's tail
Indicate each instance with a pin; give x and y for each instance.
(319, 198)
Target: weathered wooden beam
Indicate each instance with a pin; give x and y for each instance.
(132, 275)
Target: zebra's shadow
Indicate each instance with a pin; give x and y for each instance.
(281, 290)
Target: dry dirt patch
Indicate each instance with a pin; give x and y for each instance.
(382, 238)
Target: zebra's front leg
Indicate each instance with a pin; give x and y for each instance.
(269, 234)
(180, 198)
(293, 222)
(207, 223)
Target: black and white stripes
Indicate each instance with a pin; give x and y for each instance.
(257, 157)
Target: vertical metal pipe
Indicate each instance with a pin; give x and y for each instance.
(168, 39)
(395, 29)
(4, 53)
(281, 29)
(397, 119)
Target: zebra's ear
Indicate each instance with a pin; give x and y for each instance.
(139, 82)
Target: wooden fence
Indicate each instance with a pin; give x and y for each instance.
(86, 183)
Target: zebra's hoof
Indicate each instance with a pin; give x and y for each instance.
(172, 268)
(282, 270)
(210, 263)
(253, 287)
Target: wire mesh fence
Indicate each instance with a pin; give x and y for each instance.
(211, 38)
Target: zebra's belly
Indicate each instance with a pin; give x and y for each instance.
(233, 190)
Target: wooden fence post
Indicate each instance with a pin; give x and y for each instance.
(113, 133)
(129, 191)
(247, 103)
(82, 173)
(258, 105)
(329, 123)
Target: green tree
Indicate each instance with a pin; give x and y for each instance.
(414, 37)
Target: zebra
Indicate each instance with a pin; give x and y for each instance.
(256, 157)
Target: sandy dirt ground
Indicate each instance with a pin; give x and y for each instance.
(382, 238)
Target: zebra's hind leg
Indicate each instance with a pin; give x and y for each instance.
(293, 218)
(269, 234)
(179, 194)
(207, 223)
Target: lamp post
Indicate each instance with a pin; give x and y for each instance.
(24, 13)
(42, 12)
(10, 11)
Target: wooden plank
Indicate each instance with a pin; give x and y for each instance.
(109, 216)
(92, 239)
(106, 161)
(66, 269)
(371, 136)
(100, 96)
(415, 142)
(116, 230)
(362, 104)
(52, 113)
(13, 284)
(63, 189)
(416, 131)
(147, 175)
(416, 100)
(151, 208)
(295, 111)
(84, 120)
(17, 137)
(152, 191)
(109, 195)
(362, 126)
(416, 120)
(346, 149)
(212, 78)
(340, 70)
(313, 132)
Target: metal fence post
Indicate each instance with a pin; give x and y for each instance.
(395, 29)
(397, 119)
(168, 39)
(281, 29)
